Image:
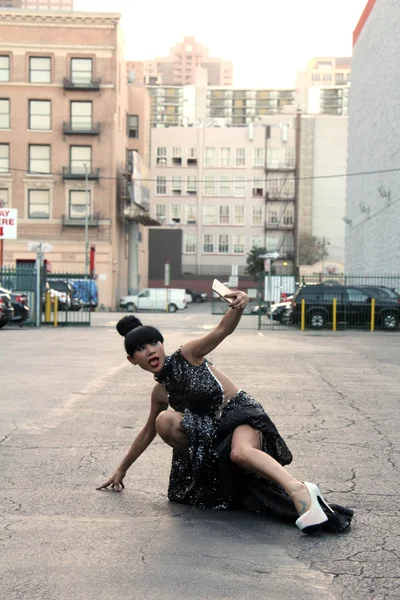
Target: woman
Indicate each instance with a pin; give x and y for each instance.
(226, 450)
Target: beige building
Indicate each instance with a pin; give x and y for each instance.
(329, 71)
(67, 111)
(233, 188)
(179, 68)
(38, 4)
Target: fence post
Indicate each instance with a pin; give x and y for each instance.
(303, 315)
(334, 308)
(55, 311)
(372, 314)
(48, 307)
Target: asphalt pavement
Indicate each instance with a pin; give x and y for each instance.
(71, 404)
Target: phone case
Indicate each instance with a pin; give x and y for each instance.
(221, 289)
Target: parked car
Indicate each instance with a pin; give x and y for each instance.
(276, 312)
(6, 309)
(65, 292)
(20, 305)
(197, 297)
(353, 307)
(155, 299)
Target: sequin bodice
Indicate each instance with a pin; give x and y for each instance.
(190, 386)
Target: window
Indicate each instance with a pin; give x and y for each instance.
(161, 212)
(81, 70)
(40, 115)
(176, 185)
(161, 187)
(290, 157)
(176, 213)
(161, 157)
(133, 126)
(209, 186)
(39, 69)
(225, 157)
(240, 186)
(192, 186)
(39, 204)
(257, 216)
(223, 243)
(273, 187)
(315, 76)
(177, 157)
(225, 186)
(258, 157)
(190, 243)
(4, 114)
(4, 198)
(287, 244)
(289, 189)
(327, 76)
(4, 158)
(273, 157)
(208, 243)
(238, 244)
(258, 186)
(209, 157)
(191, 215)
(39, 160)
(238, 215)
(81, 116)
(240, 157)
(78, 203)
(339, 78)
(356, 295)
(224, 215)
(192, 157)
(257, 241)
(209, 215)
(80, 159)
(4, 68)
(272, 216)
(288, 216)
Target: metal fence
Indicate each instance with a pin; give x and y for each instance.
(363, 302)
(58, 299)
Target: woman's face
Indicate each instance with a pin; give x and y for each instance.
(149, 357)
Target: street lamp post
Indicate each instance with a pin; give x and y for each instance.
(87, 261)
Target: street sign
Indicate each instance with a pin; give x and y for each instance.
(267, 265)
(8, 223)
(40, 247)
(167, 271)
(233, 281)
(271, 255)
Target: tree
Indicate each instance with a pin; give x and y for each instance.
(255, 265)
(312, 249)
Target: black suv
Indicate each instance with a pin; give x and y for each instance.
(353, 307)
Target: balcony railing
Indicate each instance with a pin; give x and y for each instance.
(81, 83)
(79, 173)
(280, 166)
(81, 128)
(68, 221)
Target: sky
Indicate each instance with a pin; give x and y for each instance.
(268, 41)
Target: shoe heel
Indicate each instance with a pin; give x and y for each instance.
(318, 513)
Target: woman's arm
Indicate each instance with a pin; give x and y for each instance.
(159, 402)
(195, 350)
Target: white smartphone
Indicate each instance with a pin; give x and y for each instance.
(221, 289)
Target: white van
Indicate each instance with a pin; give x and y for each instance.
(171, 299)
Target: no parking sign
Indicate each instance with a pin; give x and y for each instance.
(8, 223)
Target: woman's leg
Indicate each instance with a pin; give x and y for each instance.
(169, 428)
(246, 453)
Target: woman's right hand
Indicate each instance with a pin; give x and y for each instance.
(115, 481)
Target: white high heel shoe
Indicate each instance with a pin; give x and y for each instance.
(315, 516)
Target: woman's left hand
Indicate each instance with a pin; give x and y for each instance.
(239, 299)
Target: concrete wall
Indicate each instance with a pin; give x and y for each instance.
(373, 237)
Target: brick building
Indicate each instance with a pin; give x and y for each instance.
(66, 109)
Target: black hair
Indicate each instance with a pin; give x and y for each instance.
(136, 334)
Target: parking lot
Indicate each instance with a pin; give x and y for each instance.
(72, 404)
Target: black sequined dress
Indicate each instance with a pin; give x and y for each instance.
(207, 477)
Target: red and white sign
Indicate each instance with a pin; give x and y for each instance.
(8, 223)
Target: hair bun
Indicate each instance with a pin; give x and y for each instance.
(127, 324)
